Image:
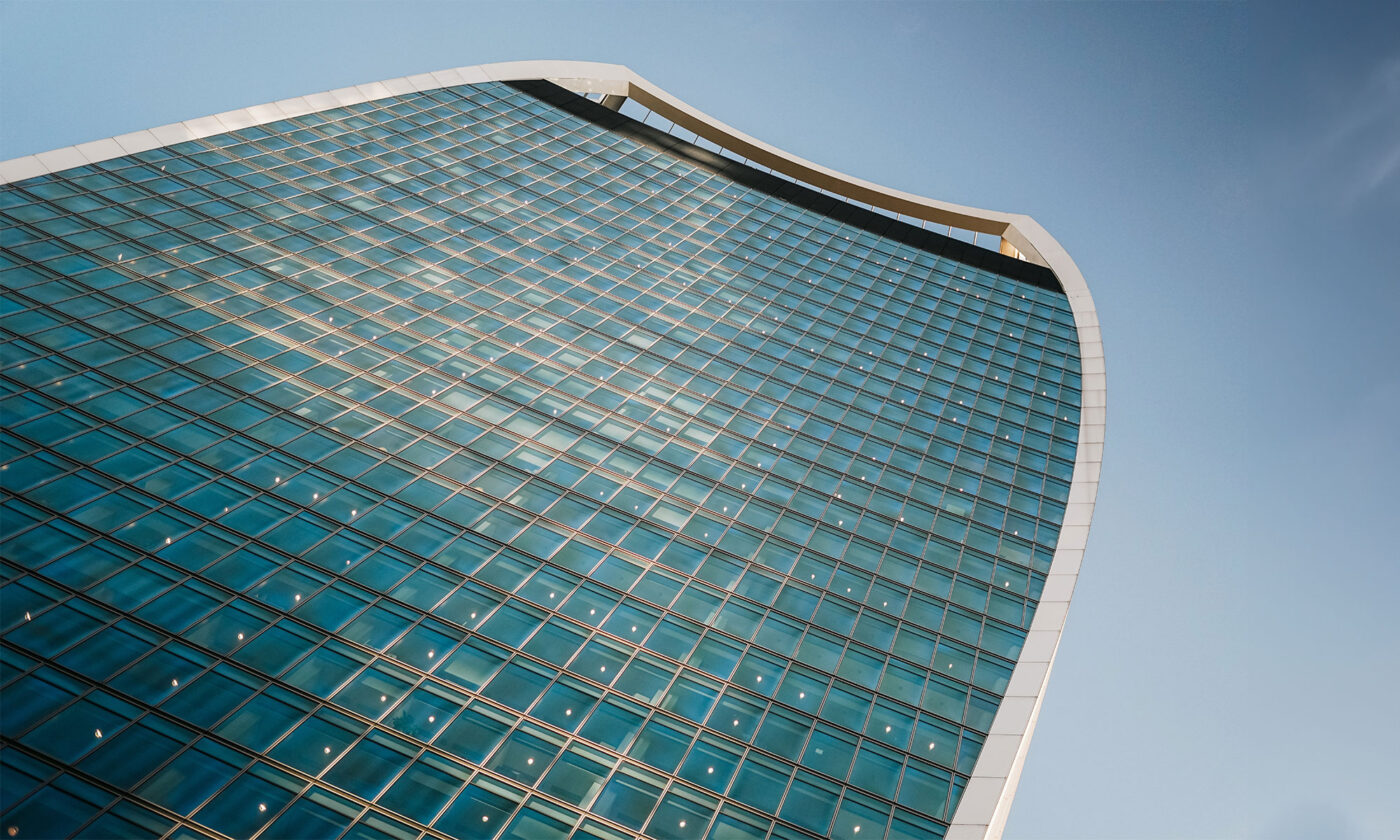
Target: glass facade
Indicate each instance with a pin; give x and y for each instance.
(470, 463)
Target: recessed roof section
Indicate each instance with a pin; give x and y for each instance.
(627, 116)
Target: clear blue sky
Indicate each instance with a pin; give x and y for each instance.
(1227, 177)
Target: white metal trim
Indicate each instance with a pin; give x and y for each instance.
(985, 805)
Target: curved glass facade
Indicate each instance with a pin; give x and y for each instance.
(478, 463)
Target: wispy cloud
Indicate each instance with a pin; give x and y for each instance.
(1379, 172)
(1364, 143)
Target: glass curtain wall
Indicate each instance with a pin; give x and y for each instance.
(457, 465)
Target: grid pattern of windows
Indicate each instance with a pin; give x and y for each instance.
(450, 465)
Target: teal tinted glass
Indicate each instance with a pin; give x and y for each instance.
(467, 462)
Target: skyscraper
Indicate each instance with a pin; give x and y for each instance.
(464, 456)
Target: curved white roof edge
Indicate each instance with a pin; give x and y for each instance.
(986, 803)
